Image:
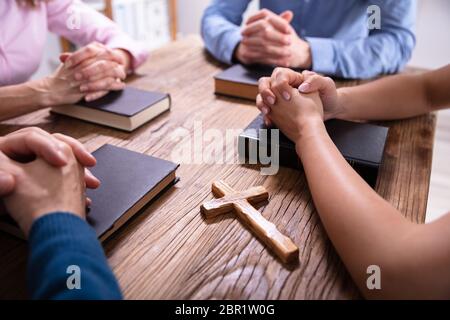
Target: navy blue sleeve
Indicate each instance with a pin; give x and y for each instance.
(67, 261)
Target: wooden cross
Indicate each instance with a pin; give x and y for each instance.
(241, 202)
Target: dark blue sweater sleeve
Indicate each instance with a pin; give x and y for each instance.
(67, 261)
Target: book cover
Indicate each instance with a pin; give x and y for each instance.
(126, 110)
(129, 181)
(127, 102)
(242, 81)
(361, 144)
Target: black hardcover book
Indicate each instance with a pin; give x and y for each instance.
(126, 110)
(361, 144)
(129, 181)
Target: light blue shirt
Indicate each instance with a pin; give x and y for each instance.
(337, 30)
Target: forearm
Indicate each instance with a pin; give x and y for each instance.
(220, 28)
(361, 58)
(60, 242)
(95, 27)
(20, 99)
(396, 97)
(364, 228)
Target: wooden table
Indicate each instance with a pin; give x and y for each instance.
(170, 252)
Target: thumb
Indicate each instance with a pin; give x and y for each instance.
(287, 15)
(7, 183)
(315, 82)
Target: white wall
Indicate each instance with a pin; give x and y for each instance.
(190, 14)
(433, 39)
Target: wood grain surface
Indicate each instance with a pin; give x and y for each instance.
(169, 251)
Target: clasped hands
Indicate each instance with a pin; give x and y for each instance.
(268, 38)
(89, 73)
(42, 173)
(297, 103)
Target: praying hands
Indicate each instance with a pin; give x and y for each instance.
(268, 38)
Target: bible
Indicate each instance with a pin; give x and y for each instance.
(125, 110)
(361, 144)
(129, 181)
(242, 81)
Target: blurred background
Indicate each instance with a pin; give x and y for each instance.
(157, 22)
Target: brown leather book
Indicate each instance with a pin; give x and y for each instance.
(130, 180)
(361, 144)
(241, 81)
(126, 110)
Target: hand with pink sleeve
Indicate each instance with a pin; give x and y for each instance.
(98, 68)
(107, 54)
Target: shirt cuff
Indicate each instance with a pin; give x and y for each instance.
(233, 39)
(323, 55)
(138, 54)
(68, 228)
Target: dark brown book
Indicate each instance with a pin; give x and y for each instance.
(241, 81)
(126, 110)
(130, 180)
(361, 144)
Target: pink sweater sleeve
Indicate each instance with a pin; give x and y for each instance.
(82, 25)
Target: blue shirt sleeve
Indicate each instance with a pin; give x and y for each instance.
(67, 261)
(221, 27)
(384, 51)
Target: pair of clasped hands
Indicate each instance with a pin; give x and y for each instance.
(294, 101)
(42, 173)
(298, 103)
(89, 73)
(269, 38)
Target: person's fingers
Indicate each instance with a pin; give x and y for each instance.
(267, 121)
(64, 56)
(261, 105)
(84, 53)
(91, 181)
(279, 53)
(267, 36)
(287, 15)
(261, 14)
(315, 82)
(283, 80)
(95, 96)
(30, 142)
(112, 55)
(256, 27)
(84, 157)
(105, 84)
(252, 42)
(101, 69)
(261, 56)
(266, 93)
(88, 202)
(280, 24)
(308, 72)
(273, 53)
